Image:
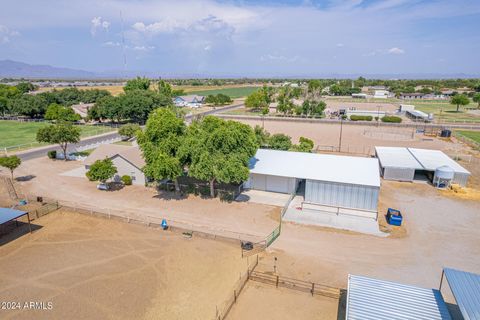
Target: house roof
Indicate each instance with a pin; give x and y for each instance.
(130, 154)
(314, 166)
(373, 299)
(191, 98)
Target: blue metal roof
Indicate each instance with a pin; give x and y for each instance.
(465, 287)
(7, 214)
(372, 299)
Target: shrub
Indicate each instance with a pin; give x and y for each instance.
(360, 118)
(393, 119)
(52, 154)
(127, 180)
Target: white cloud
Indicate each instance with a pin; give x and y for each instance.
(143, 48)
(111, 44)
(396, 50)
(340, 45)
(207, 47)
(276, 57)
(98, 23)
(6, 34)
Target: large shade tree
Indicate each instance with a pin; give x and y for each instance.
(160, 144)
(61, 134)
(219, 150)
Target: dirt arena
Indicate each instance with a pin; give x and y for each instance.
(96, 268)
(262, 301)
(356, 138)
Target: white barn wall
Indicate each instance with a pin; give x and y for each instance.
(272, 183)
(342, 195)
(126, 168)
(398, 174)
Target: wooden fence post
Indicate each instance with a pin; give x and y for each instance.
(235, 296)
(313, 288)
(276, 283)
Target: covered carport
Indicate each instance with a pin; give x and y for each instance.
(12, 215)
(373, 299)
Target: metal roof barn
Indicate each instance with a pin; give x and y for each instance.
(465, 287)
(314, 166)
(433, 159)
(396, 157)
(372, 299)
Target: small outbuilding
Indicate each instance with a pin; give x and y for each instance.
(410, 164)
(127, 159)
(328, 180)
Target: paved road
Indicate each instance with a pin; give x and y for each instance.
(40, 152)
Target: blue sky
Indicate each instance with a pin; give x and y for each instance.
(246, 37)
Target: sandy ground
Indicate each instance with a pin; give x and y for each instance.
(387, 107)
(96, 268)
(441, 232)
(356, 139)
(44, 177)
(264, 302)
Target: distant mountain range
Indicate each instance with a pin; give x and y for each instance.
(15, 69)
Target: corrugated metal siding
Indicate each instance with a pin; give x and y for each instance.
(398, 174)
(465, 287)
(461, 178)
(372, 299)
(342, 195)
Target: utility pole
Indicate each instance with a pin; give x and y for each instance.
(340, 138)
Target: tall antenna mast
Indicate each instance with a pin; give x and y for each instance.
(123, 45)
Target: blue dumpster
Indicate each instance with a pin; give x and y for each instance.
(394, 217)
(164, 224)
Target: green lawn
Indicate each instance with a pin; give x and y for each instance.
(232, 92)
(15, 133)
(473, 135)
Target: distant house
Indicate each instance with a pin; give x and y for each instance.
(128, 160)
(410, 96)
(381, 94)
(192, 101)
(359, 96)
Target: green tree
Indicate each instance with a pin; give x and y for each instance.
(25, 87)
(164, 88)
(129, 130)
(476, 98)
(256, 100)
(57, 112)
(305, 145)
(61, 134)
(137, 84)
(160, 143)
(28, 105)
(460, 100)
(219, 150)
(101, 170)
(3, 105)
(262, 136)
(11, 163)
(280, 141)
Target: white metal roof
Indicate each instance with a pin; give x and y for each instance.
(397, 158)
(372, 299)
(465, 287)
(432, 159)
(421, 159)
(314, 166)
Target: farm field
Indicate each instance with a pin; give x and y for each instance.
(15, 133)
(114, 270)
(234, 92)
(473, 135)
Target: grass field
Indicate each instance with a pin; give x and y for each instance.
(234, 93)
(23, 133)
(473, 135)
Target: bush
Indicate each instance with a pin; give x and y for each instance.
(360, 118)
(127, 180)
(52, 154)
(393, 119)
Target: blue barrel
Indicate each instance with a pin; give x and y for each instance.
(164, 224)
